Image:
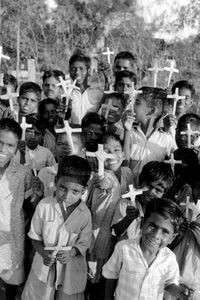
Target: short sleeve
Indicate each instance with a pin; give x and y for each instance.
(112, 268)
(50, 158)
(36, 229)
(173, 273)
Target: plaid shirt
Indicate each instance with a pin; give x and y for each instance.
(137, 280)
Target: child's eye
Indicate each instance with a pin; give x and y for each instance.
(75, 192)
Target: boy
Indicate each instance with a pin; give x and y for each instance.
(50, 80)
(84, 99)
(63, 220)
(146, 142)
(124, 61)
(15, 181)
(9, 81)
(143, 268)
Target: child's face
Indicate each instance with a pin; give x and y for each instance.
(33, 137)
(114, 115)
(141, 109)
(92, 136)
(28, 103)
(8, 146)
(67, 191)
(113, 147)
(182, 139)
(155, 189)
(183, 104)
(50, 114)
(124, 86)
(157, 233)
(122, 64)
(78, 71)
(50, 88)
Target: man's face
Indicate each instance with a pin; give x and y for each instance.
(50, 88)
(78, 71)
(122, 64)
(50, 114)
(92, 136)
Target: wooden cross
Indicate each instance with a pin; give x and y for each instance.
(68, 130)
(171, 70)
(172, 161)
(132, 194)
(108, 53)
(2, 55)
(67, 87)
(101, 156)
(176, 98)
(155, 71)
(10, 96)
(108, 107)
(24, 126)
(190, 133)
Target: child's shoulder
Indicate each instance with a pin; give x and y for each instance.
(83, 207)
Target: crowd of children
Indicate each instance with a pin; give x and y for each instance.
(99, 187)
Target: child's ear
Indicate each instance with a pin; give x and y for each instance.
(152, 111)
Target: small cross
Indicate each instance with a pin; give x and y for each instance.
(24, 126)
(108, 107)
(2, 55)
(155, 71)
(68, 130)
(1, 79)
(190, 133)
(176, 98)
(101, 156)
(9, 95)
(108, 53)
(134, 94)
(132, 194)
(171, 70)
(172, 161)
(67, 86)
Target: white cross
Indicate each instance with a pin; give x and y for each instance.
(68, 130)
(108, 53)
(24, 126)
(171, 70)
(2, 55)
(9, 95)
(55, 249)
(101, 156)
(172, 161)
(132, 194)
(108, 107)
(190, 133)
(176, 98)
(67, 87)
(155, 71)
(1, 79)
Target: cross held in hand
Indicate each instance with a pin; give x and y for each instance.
(101, 157)
(171, 70)
(155, 71)
(190, 133)
(68, 130)
(2, 55)
(132, 194)
(108, 53)
(176, 98)
(172, 161)
(24, 126)
(10, 96)
(67, 86)
(108, 107)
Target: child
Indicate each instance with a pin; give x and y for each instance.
(84, 99)
(50, 80)
(29, 98)
(114, 117)
(9, 81)
(143, 268)
(15, 181)
(146, 142)
(125, 61)
(157, 177)
(63, 220)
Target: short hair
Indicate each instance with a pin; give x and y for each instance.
(93, 118)
(11, 125)
(191, 118)
(154, 171)
(30, 87)
(43, 103)
(82, 58)
(111, 136)
(114, 95)
(75, 167)
(126, 55)
(168, 209)
(53, 73)
(189, 157)
(125, 74)
(183, 84)
(38, 121)
(10, 79)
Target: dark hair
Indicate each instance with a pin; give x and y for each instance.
(125, 74)
(155, 170)
(31, 87)
(82, 58)
(191, 118)
(116, 96)
(75, 167)
(10, 79)
(183, 84)
(111, 136)
(126, 55)
(38, 121)
(93, 118)
(53, 73)
(166, 208)
(43, 103)
(189, 160)
(11, 125)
